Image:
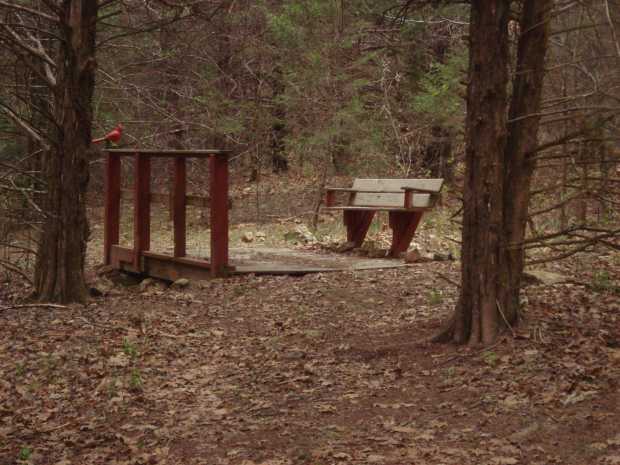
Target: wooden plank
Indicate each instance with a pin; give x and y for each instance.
(112, 205)
(158, 197)
(205, 153)
(178, 206)
(380, 198)
(142, 207)
(218, 190)
(346, 207)
(172, 268)
(189, 261)
(119, 255)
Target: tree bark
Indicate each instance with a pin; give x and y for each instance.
(522, 140)
(498, 168)
(59, 272)
(476, 318)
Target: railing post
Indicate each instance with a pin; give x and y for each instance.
(179, 191)
(141, 208)
(218, 189)
(112, 204)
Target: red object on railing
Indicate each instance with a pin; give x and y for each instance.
(113, 136)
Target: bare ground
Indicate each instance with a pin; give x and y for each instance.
(323, 369)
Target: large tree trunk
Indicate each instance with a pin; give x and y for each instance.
(498, 168)
(476, 318)
(522, 140)
(59, 273)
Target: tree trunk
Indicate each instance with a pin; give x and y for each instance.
(522, 140)
(498, 168)
(277, 146)
(59, 273)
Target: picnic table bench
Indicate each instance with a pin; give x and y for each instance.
(405, 200)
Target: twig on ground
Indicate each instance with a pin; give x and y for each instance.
(445, 278)
(501, 312)
(41, 305)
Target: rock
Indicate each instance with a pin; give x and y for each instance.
(248, 237)
(378, 253)
(346, 247)
(101, 287)
(261, 236)
(415, 256)
(125, 279)
(300, 233)
(105, 269)
(180, 283)
(543, 277)
(442, 257)
(146, 283)
(412, 256)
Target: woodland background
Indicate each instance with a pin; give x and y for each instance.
(323, 88)
(328, 368)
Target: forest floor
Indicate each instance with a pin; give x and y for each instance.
(328, 368)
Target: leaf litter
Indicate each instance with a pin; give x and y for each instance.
(322, 369)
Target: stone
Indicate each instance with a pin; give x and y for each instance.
(105, 269)
(248, 237)
(543, 277)
(442, 257)
(412, 256)
(346, 247)
(301, 233)
(378, 253)
(101, 287)
(180, 283)
(146, 283)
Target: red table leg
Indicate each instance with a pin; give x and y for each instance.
(357, 223)
(112, 204)
(218, 186)
(404, 225)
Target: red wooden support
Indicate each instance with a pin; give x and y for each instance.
(357, 223)
(112, 204)
(408, 198)
(179, 191)
(330, 198)
(404, 225)
(140, 258)
(141, 208)
(218, 189)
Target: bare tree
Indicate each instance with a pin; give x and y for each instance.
(56, 42)
(499, 166)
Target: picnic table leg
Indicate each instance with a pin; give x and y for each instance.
(404, 225)
(357, 223)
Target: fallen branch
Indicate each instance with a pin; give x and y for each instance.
(15, 269)
(41, 305)
(445, 278)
